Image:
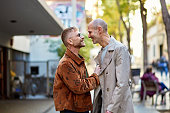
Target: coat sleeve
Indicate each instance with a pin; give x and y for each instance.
(73, 81)
(122, 63)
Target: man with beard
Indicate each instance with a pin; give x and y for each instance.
(72, 84)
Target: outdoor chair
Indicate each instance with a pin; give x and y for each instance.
(150, 86)
(135, 78)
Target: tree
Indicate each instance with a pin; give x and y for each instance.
(143, 11)
(111, 16)
(125, 7)
(126, 24)
(166, 20)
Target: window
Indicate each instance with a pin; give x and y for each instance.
(34, 70)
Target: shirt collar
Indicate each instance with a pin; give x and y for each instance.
(74, 57)
(109, 46)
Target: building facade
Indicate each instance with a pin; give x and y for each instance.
(21, 18)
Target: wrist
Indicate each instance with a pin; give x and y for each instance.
(108, 111)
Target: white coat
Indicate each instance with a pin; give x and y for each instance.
(114, 81)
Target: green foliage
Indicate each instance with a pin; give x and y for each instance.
(112, 17)
(56, 46)
(59, 48)
(85, 51)
(128, 6)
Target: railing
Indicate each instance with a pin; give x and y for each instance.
(36, 77)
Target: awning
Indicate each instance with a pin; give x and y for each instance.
(28, 17)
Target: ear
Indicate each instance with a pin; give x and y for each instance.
(69, 41)
(100, 29)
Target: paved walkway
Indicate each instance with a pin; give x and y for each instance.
(148, 107)
(41, 104)
(46, 105)
(26, 106)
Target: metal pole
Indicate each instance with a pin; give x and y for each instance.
(74, 11)
(47, 80)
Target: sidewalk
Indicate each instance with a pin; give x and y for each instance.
(148, 107)
(42, 104)
(26, 106)
(47, 106)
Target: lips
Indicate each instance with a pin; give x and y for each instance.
(82, 40)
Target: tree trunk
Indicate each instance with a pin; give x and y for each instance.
(128, 39)
(126, 27)
(120, 33)
(166, 20)
(144, 24)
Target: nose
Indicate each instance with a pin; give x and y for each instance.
(88, 35)
(82, 37)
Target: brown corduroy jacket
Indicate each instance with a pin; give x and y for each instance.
(72, 85)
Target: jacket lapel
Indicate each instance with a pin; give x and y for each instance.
(106, 61)
(98, 58)
(108, 57)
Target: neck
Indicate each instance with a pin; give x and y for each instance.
(74, 50)
(104, 40)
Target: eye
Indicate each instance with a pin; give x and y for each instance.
(80, 35)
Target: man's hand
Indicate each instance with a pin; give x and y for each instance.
(108, 111)
(97, 70)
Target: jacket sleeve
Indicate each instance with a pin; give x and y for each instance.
(122, 63)
(73, 81)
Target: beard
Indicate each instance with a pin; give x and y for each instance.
(80, 44)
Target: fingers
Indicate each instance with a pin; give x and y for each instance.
(97, 70)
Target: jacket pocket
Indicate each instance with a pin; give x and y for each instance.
(82, 101)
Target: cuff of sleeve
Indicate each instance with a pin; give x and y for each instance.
(96, 77)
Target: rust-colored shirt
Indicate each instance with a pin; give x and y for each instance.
(72, 85)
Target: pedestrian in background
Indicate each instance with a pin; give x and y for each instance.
(72, 84)
(114, 94)
(163, 66)
(150, 76)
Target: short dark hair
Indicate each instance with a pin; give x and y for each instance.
(148, 69)
(66, 34)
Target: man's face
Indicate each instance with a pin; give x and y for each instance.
(77, 40)
(93, 34)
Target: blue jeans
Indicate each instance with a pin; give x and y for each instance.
(68, 111)
(164, 69)
(163, 86)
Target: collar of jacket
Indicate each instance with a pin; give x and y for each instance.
(74, 57)
(112, 43)
(111, 48)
